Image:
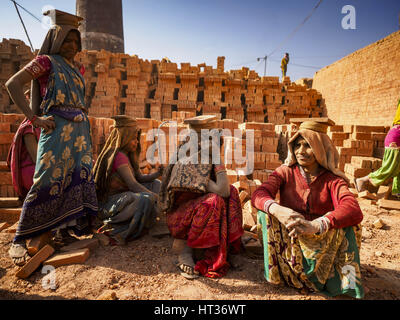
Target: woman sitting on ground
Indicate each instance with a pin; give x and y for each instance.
(22, 157)
(126, 197)
(390, 169)
(312, 237)
(203, 212)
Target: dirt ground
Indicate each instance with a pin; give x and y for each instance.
(144, 269)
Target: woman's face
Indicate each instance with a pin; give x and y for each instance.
(303, 152)
(132, 145)
(70, 46)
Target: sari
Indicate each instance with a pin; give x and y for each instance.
(19, 160)
(329, 262)
(63, 188)
(207, 221)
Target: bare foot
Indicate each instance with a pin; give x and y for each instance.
(360, 184)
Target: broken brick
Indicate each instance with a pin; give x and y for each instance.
(70, 257)
(34, 262)
(36, 243)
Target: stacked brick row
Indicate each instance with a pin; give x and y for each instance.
(116, 83)
(355, 140)
(123, 84)
(14, 55)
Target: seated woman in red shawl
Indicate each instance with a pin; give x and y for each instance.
(22, 157)
(203, 212)
(312, 237)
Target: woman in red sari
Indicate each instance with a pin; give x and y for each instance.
(205, 214)
(22, 157)
(312, 237)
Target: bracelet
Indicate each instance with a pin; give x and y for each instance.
(324, 224)
(31, 121)
(267, 204)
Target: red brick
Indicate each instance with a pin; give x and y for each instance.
(34, 262)
(37, 243)
(70, 257)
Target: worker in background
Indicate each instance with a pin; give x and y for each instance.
(284, 63)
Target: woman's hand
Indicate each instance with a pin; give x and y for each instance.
(48, 124)
(302, 226)
(161, 170)
(283, 214)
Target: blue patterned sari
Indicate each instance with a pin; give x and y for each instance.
(63, 188)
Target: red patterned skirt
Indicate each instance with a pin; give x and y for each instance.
(209, 222)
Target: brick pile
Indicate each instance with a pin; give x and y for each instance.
(123, 84)
(355, 140)
(14, 54)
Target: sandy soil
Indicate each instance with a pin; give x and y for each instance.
(145, 269)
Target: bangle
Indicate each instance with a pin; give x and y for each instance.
(31, 121)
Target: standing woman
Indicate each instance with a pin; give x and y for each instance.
(390, 169)
(63, 191)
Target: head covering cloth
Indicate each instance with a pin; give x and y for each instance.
(125, 129)
(63, 23)
(314, 133)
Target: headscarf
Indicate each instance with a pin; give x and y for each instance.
(51, 45)
(124, 130)
(322, 146)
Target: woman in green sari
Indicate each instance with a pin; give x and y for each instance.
(63, 193)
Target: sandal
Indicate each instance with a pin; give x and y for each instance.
(186, 265)
(19, 254)
(187, 271)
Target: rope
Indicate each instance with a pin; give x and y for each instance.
(22, 21)
(297, 29)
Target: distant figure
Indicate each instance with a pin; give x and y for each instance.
(284, 63)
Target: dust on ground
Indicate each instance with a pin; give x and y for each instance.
(145, 269)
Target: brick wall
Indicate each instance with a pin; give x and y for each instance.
(14, 54)
(364, 87)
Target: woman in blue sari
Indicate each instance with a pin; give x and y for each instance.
(63, 192)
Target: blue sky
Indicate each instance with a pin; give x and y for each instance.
(199, 31)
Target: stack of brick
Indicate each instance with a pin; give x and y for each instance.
(361, 166)
(266, 157)
(232, 96)
(355, 140)
(14, 55)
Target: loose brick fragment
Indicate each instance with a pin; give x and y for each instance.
(389, 204)
(70, 257)
(90, 244)
(378, 224)
(13, 228)
(3, 225)
(34, 262)
(367, 195)
(36, 243)
(13, 202)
